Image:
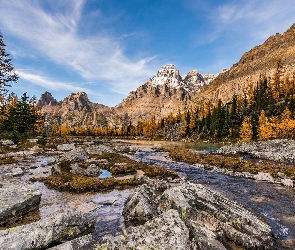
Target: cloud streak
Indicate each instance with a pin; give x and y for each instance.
(98, 58)
(48, 83)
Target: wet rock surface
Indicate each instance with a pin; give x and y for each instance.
(52, 230)
(18, 200)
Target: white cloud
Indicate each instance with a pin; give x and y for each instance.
(48, 83)
(54, 35)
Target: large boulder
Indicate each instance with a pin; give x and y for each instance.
(81, 243)
(140, 206)
(77, 155)
(55, 229)
(210, 215)
(16, 201)
(166, 231)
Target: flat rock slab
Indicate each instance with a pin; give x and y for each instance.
(55, 229)
(16, 201)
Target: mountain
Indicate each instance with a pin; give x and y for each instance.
(76, 110)
(261, 60)
(166, 92)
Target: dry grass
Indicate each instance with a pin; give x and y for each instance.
(66, 181)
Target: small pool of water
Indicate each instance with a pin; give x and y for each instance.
(105, 174)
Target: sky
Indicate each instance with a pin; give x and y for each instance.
(108, 48)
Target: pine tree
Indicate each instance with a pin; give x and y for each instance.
(7, 72)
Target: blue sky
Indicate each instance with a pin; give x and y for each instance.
(108, 48)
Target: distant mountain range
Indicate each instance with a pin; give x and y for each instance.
(169, 92)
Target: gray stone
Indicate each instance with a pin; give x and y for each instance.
(66, 147)
(282, 150)
(92, 170)
(15, 201)
(261, 176)
(17, 171)
(81, 243)
(78, 154)
(287, 182)
(57, 228)
(166, 231)
(226, 219)
(140, 206)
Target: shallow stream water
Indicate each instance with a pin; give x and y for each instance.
(272, 202)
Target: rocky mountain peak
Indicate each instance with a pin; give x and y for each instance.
(47, 99)
(167, 75)
(77, 101)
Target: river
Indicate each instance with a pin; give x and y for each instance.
(272, 202)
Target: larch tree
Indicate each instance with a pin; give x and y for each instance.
(246, 132)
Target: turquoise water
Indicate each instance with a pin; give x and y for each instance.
(105, 174)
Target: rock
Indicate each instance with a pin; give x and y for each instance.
(140, 206)
(166, 231)
(287, 182)
(55, 169)
(16, 201)
(263, 177)
(1, 185)
(66, 147)
(81, 243)
(92, 170)
(281, 150)
(226, 220)
(78, 154)
(17, 171)
(159, 184)
(54, 229)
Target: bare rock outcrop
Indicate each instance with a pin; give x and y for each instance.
(166, 231)
(51, 230)
(140, 206)
(223, 220)
(16, 201)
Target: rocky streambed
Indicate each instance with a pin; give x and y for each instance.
(199, 210)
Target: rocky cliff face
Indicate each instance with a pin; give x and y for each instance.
(164, 93)
(77, 110)
(262, 59)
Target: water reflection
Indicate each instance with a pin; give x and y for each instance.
(105, 174)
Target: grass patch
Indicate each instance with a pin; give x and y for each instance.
(233, 163)
(81, 183)
(7, 160)
(66, 181)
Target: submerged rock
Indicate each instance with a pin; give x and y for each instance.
(16, 201)
(54, 229)
(167, 231)
(140, 206)
(210, 215)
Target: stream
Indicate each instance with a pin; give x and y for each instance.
(272, 202)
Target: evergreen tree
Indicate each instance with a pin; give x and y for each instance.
(7, 72)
